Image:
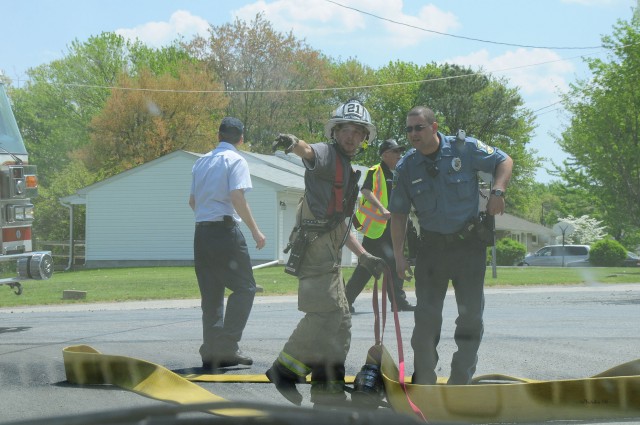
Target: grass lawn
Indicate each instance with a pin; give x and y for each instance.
(153, 283)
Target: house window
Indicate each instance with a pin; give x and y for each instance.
(534, 239)
(515, 237)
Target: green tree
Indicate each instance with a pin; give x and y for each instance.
(487, 109)
(51, 220)
(151, 116)
(509, 252)
(396, 92)
(55, 108)
(264, 72)
(602, 138)
(607, 253)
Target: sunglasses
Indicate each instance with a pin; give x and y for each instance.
(416, 128)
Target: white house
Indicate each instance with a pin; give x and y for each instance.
(141, 217)
(532, 235)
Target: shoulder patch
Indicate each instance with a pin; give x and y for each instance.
(485, 148)
(395, 180)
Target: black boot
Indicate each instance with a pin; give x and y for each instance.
(328, 396)
(285, 382)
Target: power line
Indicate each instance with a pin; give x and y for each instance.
(545, 107)
(546, 112)
(315, 89)
(461, 36)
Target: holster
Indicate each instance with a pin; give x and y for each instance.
(482, 228)
(488, 235)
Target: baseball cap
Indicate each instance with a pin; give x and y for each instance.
(231, 125)
(390, 144)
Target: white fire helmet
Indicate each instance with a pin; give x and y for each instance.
(351, 112)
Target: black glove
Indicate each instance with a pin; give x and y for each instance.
(286, 141)
(374, 265)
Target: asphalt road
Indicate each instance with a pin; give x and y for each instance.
(540, 333)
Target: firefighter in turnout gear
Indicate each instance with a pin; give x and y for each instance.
(371, 219)
(321, 340)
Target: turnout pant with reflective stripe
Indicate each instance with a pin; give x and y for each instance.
(321, 340)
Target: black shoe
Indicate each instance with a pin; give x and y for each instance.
(227, 360)
(285, 385)
(235, 359)
(407, 307)
(351, 309)
(330, 400)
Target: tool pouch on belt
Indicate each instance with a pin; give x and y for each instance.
(298, 248)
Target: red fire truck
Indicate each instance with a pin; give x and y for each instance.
(18, 185)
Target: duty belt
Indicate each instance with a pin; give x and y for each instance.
(442, 237)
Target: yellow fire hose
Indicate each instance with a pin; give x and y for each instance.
(614, 393)
(84, 365)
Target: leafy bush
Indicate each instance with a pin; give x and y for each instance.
(508, 252)
(607, 253)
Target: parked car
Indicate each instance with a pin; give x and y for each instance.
(631, 260)
(556, 255)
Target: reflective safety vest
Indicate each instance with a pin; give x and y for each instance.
(372, 222)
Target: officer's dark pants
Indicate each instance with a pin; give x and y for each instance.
(222, 261)
(438, 261)
(382, 248)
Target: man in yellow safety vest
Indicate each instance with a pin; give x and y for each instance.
(371, 219)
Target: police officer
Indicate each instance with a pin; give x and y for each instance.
(439, 179)
(219, 181)
(371, 219)
(321, 341)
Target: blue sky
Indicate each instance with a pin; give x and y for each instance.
(523, 41)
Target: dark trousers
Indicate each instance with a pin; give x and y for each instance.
(382, 248)
(464, 263)
(222, 261)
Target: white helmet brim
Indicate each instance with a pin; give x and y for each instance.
(329, 126)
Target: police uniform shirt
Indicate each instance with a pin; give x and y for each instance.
(214, 176)
(444, 190)
(320, 175)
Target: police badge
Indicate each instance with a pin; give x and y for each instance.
(456, 164)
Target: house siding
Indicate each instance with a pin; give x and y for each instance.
(142, 217)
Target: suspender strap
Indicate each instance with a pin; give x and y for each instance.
(337, 196)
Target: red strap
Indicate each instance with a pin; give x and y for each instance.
(335, 204)
(380, 336)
